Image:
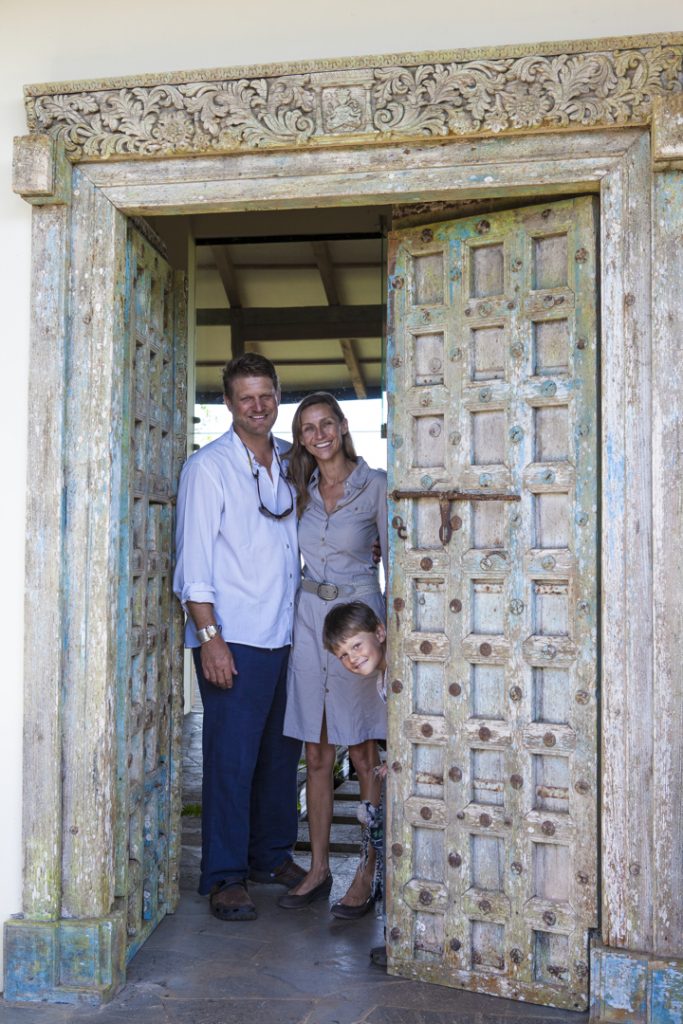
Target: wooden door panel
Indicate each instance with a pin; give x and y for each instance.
(150, 662)
(492, 807)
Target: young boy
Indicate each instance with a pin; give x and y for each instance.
(354, 634)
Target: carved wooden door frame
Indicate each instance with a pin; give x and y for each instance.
(365, 142)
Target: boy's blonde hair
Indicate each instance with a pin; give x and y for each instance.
(346, 620)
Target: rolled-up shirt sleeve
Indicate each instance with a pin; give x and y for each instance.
(199, 513)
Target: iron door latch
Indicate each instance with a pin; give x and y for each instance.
(445, 498)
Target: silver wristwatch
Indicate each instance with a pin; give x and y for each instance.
(208, 633)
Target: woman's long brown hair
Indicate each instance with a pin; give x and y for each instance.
(301, 462)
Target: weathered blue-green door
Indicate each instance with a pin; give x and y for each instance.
(150, 669)
(492, 816)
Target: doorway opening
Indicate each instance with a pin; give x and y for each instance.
(306, 289)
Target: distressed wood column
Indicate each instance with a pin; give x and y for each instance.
(638, 973)
(667, 309)
(42, 175)
(667, 440)
(95, 369)
(69, 944)
(627, 710)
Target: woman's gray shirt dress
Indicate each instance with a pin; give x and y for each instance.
(337, 548)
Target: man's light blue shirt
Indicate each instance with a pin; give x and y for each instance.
(230, 555)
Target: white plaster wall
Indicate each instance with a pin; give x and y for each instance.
(47, 41)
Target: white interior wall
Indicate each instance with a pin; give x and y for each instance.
(77, 40)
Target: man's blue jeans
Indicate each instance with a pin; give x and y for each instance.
(249, 797)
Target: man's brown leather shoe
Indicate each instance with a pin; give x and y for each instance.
(230, 901)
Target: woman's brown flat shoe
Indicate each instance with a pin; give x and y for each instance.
(346, 912)
(293, 901)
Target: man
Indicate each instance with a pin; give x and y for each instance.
(237, 574)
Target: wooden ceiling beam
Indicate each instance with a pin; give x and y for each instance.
(286, 361)
(300, 265)
(298, 323)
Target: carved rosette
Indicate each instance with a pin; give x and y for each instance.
(508, 94)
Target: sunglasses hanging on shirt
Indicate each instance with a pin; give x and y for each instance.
(263, 509)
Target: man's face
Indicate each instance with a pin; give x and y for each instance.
(253, 404)
(364, 653)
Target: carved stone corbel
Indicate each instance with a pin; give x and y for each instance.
(667, 132)
(41, 172)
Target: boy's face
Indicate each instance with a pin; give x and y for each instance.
(364, 653)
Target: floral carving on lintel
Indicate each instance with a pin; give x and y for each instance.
(168, 119)
(577, 90)
(462, 98)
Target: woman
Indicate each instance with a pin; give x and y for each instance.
(341, 504)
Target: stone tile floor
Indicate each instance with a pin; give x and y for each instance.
(287, 967)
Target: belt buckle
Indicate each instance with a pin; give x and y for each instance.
(328, 591)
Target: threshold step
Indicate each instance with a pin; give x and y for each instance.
(344, 812)
(343, 838)
(353, 849)
(349, 790)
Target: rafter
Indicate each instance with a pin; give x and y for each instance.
(325, 266)
(355, 372)
(228, 276)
